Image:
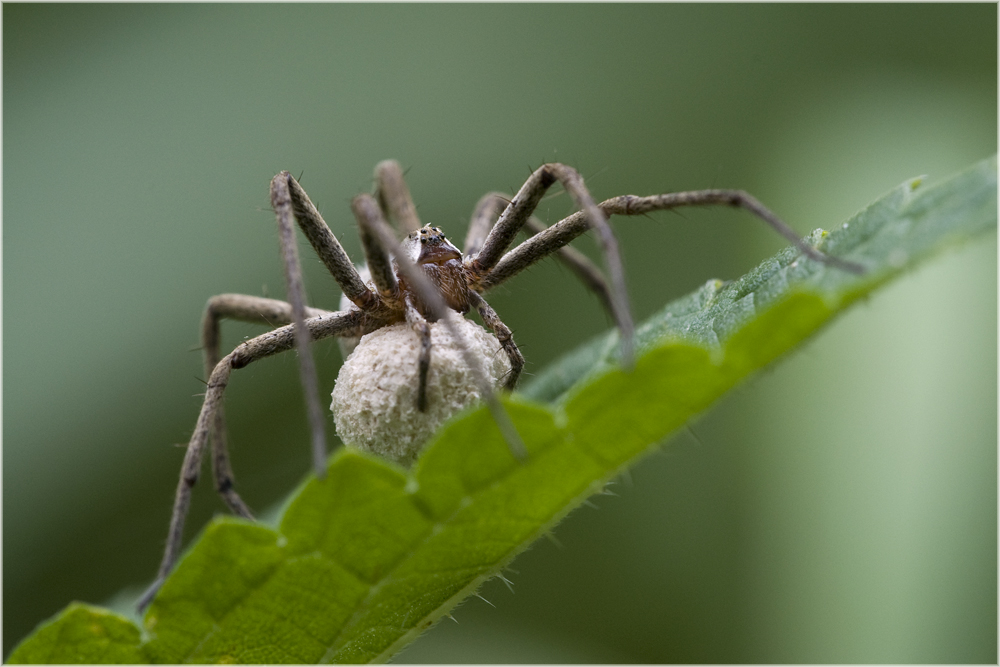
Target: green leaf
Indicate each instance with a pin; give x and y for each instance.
(83, 634)
(370, 557)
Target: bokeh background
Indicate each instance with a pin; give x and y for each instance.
(839, 507)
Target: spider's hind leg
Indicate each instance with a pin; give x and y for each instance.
(265, 345)
(245, 308)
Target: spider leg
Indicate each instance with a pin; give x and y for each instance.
(394, 196)
(484, 216)
(326, 245)
(247, 309)
(434, 302)
(487, 212)
(581, 266)
(265, 345)
(281, 201)
(366, 209)
(558, 235)
(423, 330)
(289, 199)
(503, 334)
(517, 213)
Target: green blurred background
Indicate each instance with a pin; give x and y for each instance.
(840, 507)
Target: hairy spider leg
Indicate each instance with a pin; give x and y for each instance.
(395, 205)
(245, 308)
(394, 196)
(326, 245)
(558, 235)
(281, 201)
(486, 214)
(503, 334)
(377, 258)
(515, 216)
(279, 340)
(423, 331)
(581, 266)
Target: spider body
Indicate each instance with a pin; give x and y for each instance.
(442, 263)
(418, 281)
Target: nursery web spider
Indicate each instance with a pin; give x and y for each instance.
(419, 280)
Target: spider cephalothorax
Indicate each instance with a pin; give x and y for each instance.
(419, 281)
(441, 261)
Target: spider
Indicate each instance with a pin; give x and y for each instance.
(421, 280)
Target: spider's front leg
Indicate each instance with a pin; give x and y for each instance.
(554, 238)
(516, 215)
(485, 216)
(289, 200)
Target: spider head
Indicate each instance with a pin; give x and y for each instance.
(428, 245)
